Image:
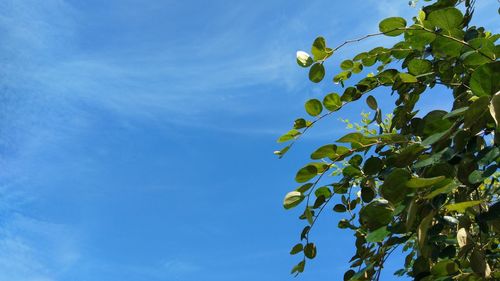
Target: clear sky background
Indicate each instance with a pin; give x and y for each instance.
(136, 137)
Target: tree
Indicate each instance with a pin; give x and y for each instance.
(426, 184)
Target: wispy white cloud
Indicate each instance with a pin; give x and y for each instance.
(31, 249)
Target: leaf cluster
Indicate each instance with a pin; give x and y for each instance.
(426, 185)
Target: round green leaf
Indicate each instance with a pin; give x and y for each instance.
(313, 107)
(419, 66)
(317, 72)
(332, 102)
(485, 81)
(373, 165)
(394, 187)
(310, 251)
(447, 19)
(389, 26)
(347, 64)
(292, 199)
(376, 214)
(304, 59)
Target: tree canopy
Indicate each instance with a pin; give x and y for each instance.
(426, 184)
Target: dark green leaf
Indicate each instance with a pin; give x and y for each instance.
(485, 81)
(394, 187)
(373, 165)
(297, 249)
(376, 214)
(444, 268)
(310, 251)
(372, 102)
(339, 208)
(316, 72)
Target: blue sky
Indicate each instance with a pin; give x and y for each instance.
(136, 137)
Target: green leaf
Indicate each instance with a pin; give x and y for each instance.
(324, 151)
(376, 214)
(424, 182)
(485, 81)
(433, 122)
(372, 102)
(419, 66)
(445, 188)
(389, 26)
(292, 199)
(479, 176)
(290, 135)
(323, 191)
(319, 49)
(309, 215)
(350, 94)
(282, 152)
(301, 123)
(419, 38)
(310, 251)
(394, 187)
(317, 72)
(297, 249)
(305, 187)
(306, 173)
(299, 267)
(357, 140)
(332, 102)
(351, 171)
(377, 235)
(444, 267)
(456, 112)
(303, 59)
(373, 165)
(347, 64)
(357, 67)
(462, 206)
(407, 78)
(339, 208)
(313, 107)
(447, 19)
(479, 264)
(476, 110)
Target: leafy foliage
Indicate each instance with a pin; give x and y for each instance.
(428, 185)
